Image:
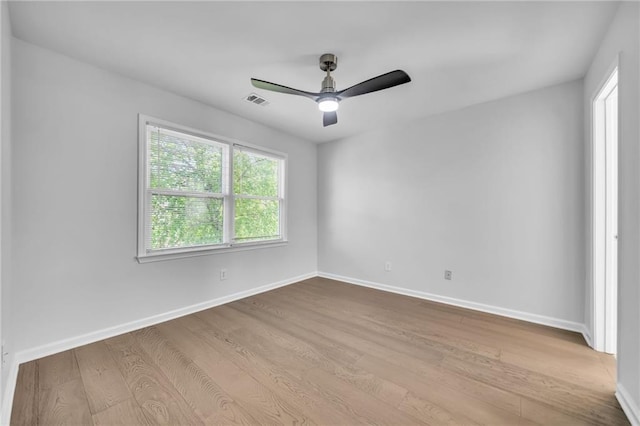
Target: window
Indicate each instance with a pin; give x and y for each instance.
(200, 193)
(257, 195)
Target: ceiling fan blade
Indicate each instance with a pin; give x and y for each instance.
(329, 118)
(261, 84)
(384, 81)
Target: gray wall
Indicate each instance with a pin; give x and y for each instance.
(493, 192)
(623, 38)
(5, 189)
(75, 203)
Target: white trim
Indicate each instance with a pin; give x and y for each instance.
(496, 310)
(597, 188)
(586, 334)
(256, 197)
(226, 248)
(605, 78)
(628, 405)
(8, 392)
(142, 183)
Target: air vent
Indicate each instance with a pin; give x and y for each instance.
(255, 99)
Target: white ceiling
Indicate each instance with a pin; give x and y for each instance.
(457, 53)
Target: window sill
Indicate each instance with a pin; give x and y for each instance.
(157, 257)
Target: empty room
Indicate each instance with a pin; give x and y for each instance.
(322, 213)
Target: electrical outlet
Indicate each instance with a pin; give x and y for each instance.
(223, 274)
(447, 275)
(387, 266)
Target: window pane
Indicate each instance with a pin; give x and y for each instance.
(257, 219)
(255, 174)
(183, 163)
(178, 221)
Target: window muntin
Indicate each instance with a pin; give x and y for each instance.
(202, 193)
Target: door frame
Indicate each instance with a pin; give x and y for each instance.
(604, 290)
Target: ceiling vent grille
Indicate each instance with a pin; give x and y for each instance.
(256, 99)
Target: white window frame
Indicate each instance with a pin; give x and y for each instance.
(144, 252)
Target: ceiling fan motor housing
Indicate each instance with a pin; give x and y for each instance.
(328, 63)
(328, 85)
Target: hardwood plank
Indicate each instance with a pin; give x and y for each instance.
(304, 358)
(25, 404)
(547, 415)
(537, 339)
(216, 317)
(337, 381)
(517, 327)
(208, 400)
(357, 403)
(153, 392)
(294, 338)
(385, 390)
(64, 404)
(609, 362)
(432, 413)
(346, 334)
(57, 369)
(103, 382)
(377, 300)
(380, 334)
(504, 400)
(276, 378)
(438, 313)
(438, 376)
(313, 347)
(461, 348)
(570, 369)
(264, 405)
(486, 337)
(427, 393)
(541, 388)
(125, 413)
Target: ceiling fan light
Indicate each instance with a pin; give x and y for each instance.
(328, 105)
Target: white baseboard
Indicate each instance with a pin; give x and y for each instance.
(510, 313)
(85, 339)
(587, 336)
(8, 391)
(629, 406)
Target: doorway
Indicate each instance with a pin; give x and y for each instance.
(605, 215)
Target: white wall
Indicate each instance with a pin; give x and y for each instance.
(74, 209)
(5, 188)
(493, 192)
(623, 38)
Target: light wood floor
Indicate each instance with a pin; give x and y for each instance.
(324, 352)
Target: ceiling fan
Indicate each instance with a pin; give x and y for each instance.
(328, 97)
